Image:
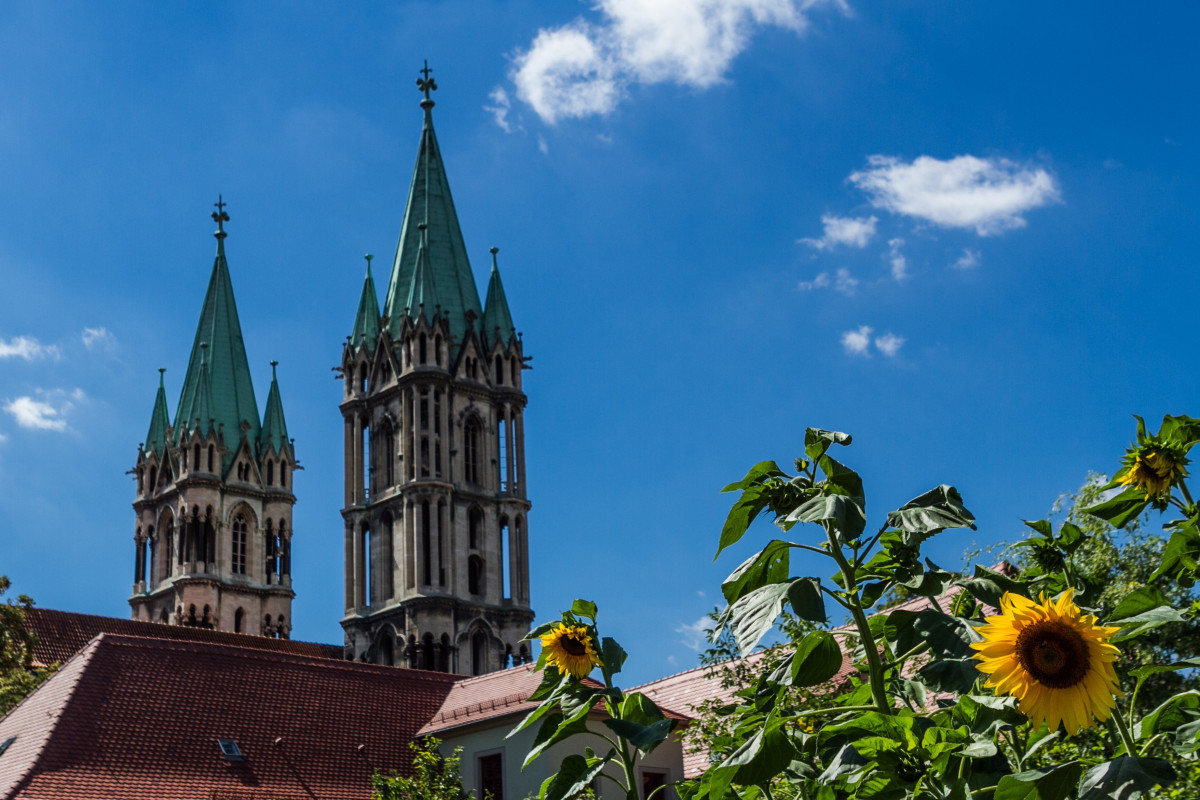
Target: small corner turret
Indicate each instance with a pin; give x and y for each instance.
(214, 495)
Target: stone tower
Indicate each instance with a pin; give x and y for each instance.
(436, 515)
(214, 490)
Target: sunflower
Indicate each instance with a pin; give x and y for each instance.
(570, 648)
(1055, 660)
(1153, 469)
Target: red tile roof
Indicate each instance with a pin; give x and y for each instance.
(494, 695)
(135, 718)
(61, 634)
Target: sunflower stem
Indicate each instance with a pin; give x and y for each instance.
(874, 663)
(1123, 729)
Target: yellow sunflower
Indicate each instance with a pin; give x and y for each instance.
(570, 648)
(1055, 660)
(1153, 470)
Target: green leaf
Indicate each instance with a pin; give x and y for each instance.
(541, 630)
(612, 655)
(752, 503)
(817, 441)
(957, 675)
(574, 776)
(988, 586)
(584, 608)
(817, 658)
(644, 737)
(1139, 601)
(1155, 617)
(948, 637)
(1125, 778)
(636, 707)
(555, 728)
(807, 602)
(931, 513)
(1181, 556)
(846, 516)
(1144, 672)
(754, 614)
(761, 470)
(1055, 784)
(1120, 510)
(769, 565)
(1175, 711)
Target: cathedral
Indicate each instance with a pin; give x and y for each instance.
(436, 512)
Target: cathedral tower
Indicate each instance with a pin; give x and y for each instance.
(436, 515)
(214, 490)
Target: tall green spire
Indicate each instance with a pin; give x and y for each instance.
(274, 430)
(366, 323)
(160, 419)
(220, 380)
(497, 321)
(202, 418)
(429, 203)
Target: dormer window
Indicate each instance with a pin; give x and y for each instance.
(230, 750)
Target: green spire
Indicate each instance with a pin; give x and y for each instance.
(274, 430)
(160, 418)
(220, 381)
(366, 323)
(422, 290)
(429, 203)
(497, 321)
(202, 418)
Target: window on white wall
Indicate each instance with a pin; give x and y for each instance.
(653, 781)
(490, 776)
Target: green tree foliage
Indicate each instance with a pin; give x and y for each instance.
(434, 777)
(18, 677)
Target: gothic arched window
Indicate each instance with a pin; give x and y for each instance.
(475, 575)
(239, 545)
(237, 620)
(471, 450)
(478, 653)
(270, 472)
(196, 456)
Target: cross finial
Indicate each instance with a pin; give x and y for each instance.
(426, 84)
(220, 217)
(368, 257)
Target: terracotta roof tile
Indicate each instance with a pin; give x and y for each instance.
(137, 718)
(61, 634)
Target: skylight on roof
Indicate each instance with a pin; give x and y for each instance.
(229, 750)
(6, 744)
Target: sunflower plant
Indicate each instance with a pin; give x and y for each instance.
(631, 724)
(960, 690)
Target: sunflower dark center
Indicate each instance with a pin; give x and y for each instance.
(1053, 653)
(573, 645)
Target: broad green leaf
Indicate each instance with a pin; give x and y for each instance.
(845, 515)
(1144, 672)
(1181, 556)
(578, 698)
(541, 630)
(988, 586)
(551, 684)
(636, 707)
(644, 737)
(753, 502)
(1175, 711)
(769, 565)
(574, 776)
(957, 675)
(1125, 778)
(1139, 601)
(930, 513)
(1139, 624)
(807, 602)
(842, 480)
(754, 614)
(761, 470)
(1120, 510)
(555, 728)
(948, 637)
(584, 608)
(1055, 784)
(817, 659)
(817, 441)
(612, 655)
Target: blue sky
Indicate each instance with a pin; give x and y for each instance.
(964, 233)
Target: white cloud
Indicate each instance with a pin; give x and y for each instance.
(989, 195)
(501, 108)
(897, 260)
(542, 146)
(581, 68)
(850, 231)
(94, 338)
(858, 343)
(970, 259)
(3, 438)
(47, 414)
(694, 634)
(889, 344)
(842, 282)
(28, 348)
